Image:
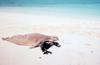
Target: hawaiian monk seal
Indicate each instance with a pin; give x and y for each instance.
(34, 40)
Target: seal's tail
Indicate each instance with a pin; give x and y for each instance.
(5, 38)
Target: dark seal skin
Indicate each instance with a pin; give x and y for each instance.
(46, 45)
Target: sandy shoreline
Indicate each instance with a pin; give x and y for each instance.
(80, 41)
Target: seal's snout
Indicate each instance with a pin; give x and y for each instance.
(59, 46)
(56, 44)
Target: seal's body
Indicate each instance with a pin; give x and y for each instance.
(34, 40)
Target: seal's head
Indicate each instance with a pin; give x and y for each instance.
(54, 38)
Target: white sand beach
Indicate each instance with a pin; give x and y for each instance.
(79, 36)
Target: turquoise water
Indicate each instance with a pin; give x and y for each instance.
(65, 8)
(44, 2)
(70, 13)
(91, 7)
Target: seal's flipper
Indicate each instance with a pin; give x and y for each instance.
(47, 52)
